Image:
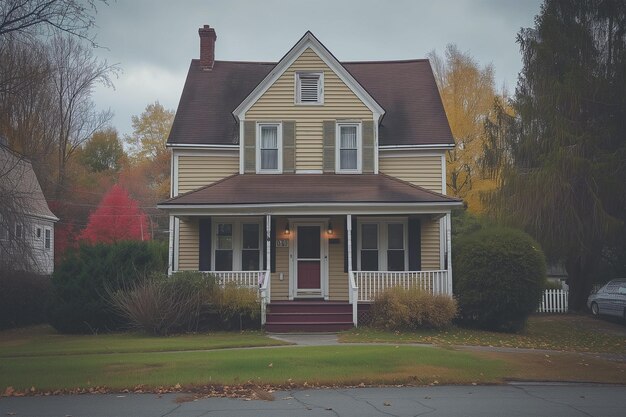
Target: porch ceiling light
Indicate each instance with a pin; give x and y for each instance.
(330, 228)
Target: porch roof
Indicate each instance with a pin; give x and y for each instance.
(253, 189)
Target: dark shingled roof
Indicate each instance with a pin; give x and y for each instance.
(308, 188)
(414, 114)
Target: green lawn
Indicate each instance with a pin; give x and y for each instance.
(574, 333)
(43, 340)
(313, 365)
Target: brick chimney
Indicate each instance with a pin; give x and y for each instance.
(207, 47)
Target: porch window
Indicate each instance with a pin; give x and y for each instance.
(383, 245)
(348, 148)
(250, 255)
(395, 247)
(269, 148)
(369, 247)
(224, 247)
(237, 245)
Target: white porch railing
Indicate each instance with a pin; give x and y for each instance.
(553, 301)
(371, 283)
(248, 279)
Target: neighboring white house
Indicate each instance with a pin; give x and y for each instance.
(26, 222)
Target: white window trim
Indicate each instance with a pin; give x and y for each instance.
(279, 128)
(359, 151)
(237, 246)
(383, 242)
(320, 88)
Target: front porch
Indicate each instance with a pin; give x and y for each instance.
(309, 270)
(320, 241)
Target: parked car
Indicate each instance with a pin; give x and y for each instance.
(610, 300)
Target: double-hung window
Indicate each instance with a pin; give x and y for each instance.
(383, 245)
(309, 88)
(269, 148)
(348, 148)
(237, 245)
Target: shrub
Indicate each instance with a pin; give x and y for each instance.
(499, 276)
(83, 278)
(237, 305)
(23, 298)
(399, 308)
(161, 305)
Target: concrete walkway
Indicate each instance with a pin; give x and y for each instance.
(331, 339)
(555, 400)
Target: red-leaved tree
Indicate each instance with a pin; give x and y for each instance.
(118, 217)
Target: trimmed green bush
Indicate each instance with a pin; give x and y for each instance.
(82, 280)
(23, 298)
(499, 276)
(411, 309)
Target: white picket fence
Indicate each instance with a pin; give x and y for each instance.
(553, 301)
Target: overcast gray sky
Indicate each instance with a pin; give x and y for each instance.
(154, 41)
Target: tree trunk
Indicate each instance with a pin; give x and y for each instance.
(580, 271)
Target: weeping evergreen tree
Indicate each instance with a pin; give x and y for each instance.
(562, 158)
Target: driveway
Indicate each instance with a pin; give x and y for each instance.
(555, 400)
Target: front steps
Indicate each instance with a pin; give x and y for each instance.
(308, 316)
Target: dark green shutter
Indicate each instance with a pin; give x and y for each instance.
(345, 244)
(289, 146)
(204, 244)
(249, 150)
(415, 244)
(329, 145)
(368, 147)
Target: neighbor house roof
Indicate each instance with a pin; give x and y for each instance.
(406, 90)
(19, 183)
(308, 188)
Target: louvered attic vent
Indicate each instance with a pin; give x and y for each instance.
(309, 88)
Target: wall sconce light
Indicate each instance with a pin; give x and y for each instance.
(287, 231)
(330, 228)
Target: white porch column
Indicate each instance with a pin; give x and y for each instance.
(349, 237)
(449, 249)
(170, 252)
(268, 240)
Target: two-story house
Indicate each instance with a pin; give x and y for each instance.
(323, 182)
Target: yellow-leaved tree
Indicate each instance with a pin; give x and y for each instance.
(468, 93)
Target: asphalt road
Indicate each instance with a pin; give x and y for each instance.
(567, 400)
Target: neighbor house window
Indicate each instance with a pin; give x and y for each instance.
(4, 229)
(47, 239)
(382, 245)
(19, 231)
(309, 88)
(269, 149)
(237, 244)
(39, 233)
(348, 154)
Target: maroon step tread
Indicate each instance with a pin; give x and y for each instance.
(309, 317)
(309, 307)
(307, 327)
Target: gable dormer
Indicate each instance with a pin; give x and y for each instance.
(309, 115)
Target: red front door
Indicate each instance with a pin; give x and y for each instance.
(309, 259)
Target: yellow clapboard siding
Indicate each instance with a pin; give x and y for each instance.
(337, 278)
(279, 290)
(188, 245)
(424, 171)
(430, 244)
(195, 171)
(278, 104)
